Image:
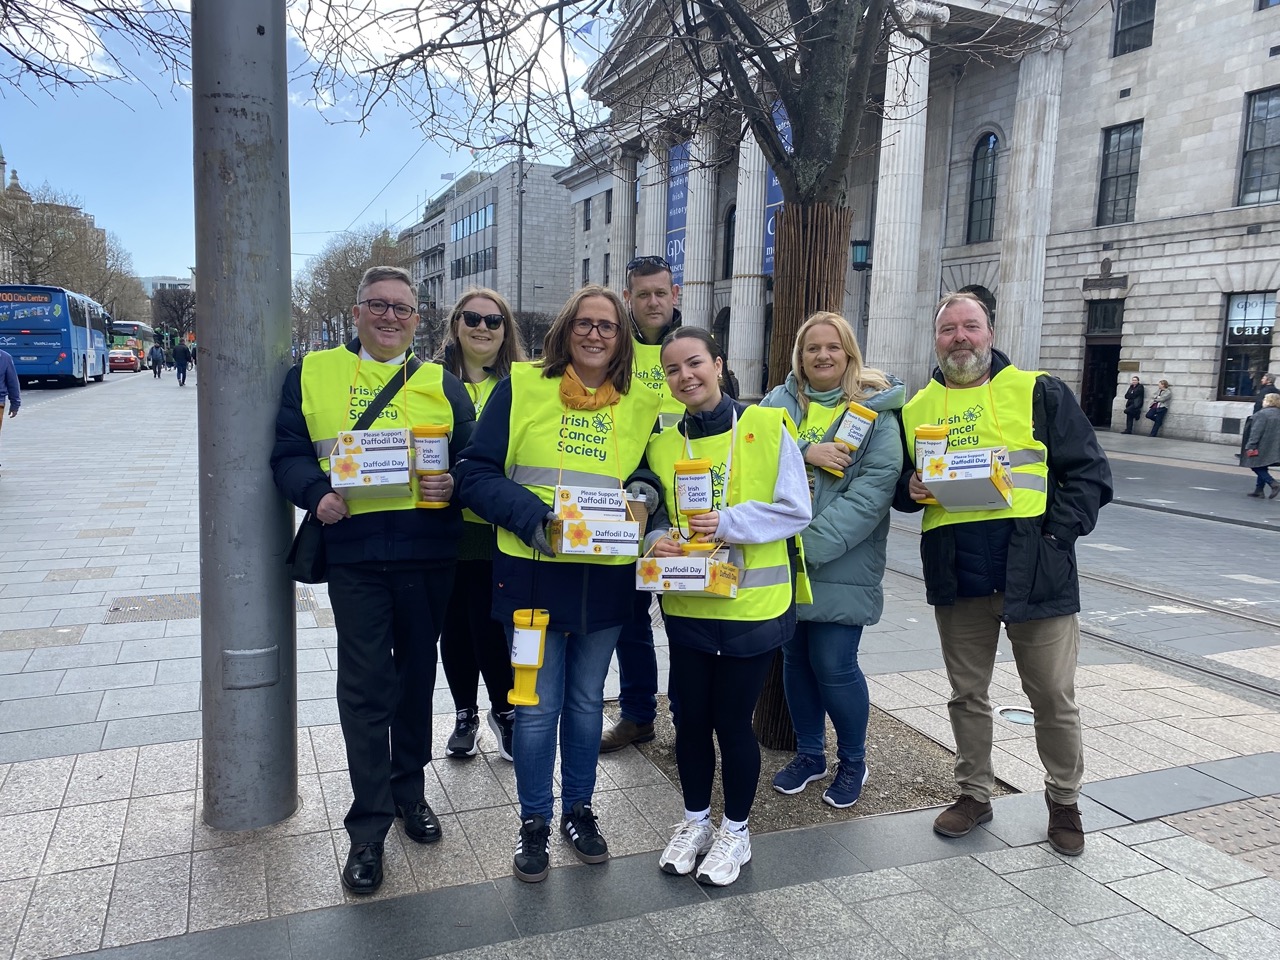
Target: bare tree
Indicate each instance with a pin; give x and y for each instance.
(325, 289)
(173, 313)
(52, 43)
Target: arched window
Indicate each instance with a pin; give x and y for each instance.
(730, 223)
(982, 190)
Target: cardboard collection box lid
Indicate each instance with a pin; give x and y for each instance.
(965, 480)
(373, 441)
(711, 576)
(599, 538)
(381, 474)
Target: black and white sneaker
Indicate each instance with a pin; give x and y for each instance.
(533, 850)
(463, 741)
(504, 731)
(579, 827)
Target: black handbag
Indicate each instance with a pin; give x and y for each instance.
(307, 560)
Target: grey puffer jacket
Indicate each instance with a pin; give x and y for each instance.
(1264, 436)
(844, 545)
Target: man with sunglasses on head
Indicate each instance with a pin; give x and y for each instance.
(391, 566)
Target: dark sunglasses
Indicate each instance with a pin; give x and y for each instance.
(660, 262)
(491, 320)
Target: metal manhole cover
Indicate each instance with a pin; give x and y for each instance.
(180, 606)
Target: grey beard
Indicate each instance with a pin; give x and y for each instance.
(966, 371)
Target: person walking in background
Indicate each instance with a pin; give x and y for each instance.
(1134, 400)
(1014, 566)
(481, 344)
(1159, 407)
(1267, 386)
(577, 416)
(844, 549)
(1262, 446)
(181, 357)
(722, 648)
(168, 358)
(10, 388)
(156, 357)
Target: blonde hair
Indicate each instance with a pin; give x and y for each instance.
(1271, 400)
(858, 382)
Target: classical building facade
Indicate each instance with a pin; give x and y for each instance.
(1113, 192)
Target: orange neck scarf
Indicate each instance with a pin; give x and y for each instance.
(575, 395)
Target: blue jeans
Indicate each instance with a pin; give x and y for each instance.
(1264, 477)
(571, 700)
(638, 664)
(821, 677)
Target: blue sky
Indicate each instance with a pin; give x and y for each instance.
(126, 153)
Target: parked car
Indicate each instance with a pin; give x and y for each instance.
(123, 360)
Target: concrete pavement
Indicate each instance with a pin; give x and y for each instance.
(102, 847)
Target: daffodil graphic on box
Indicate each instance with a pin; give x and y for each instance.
(346, 467)
(578, 534)
(570, 511)
(936, 467)
(650, 571)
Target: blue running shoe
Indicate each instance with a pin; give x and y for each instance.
(846, 788)
(799, 773)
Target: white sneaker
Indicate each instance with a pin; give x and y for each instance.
(729, 851)
(690, 841)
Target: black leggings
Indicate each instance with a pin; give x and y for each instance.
(472, 642)
(717, 694)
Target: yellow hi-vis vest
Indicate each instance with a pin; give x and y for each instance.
(333, 399)
(647, 368)
(551, 444)
(995, 414)
(479, 393)
(764, 585)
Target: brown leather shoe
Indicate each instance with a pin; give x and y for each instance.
(624, 733)
(962, 816)
(1066, 834)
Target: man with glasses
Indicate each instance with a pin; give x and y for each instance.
(391, 565)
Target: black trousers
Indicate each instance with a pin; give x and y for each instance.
(388, 616)
(472, 643)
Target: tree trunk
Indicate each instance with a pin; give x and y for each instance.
(812, 259)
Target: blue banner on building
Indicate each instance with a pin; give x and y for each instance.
(677, 207)
(773, 191)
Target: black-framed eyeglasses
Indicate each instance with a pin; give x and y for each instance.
(606, 328)
(659, 262)
(379, 308)
(491, 320)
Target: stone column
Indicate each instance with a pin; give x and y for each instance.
(653, 198)
(700, 235)
(893, 337)
(747, 294)
(622, 231)
(1028, 194)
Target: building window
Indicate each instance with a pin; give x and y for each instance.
(1134, 22)
(982, 190)
(1260, 171)
(608, 211)
(730, 227)
(1246, 343)
(606, 270)
(586, 215)
(586, 270)
(1263, 4)
(1118, 189)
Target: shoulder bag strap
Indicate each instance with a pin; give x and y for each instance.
(385, 394)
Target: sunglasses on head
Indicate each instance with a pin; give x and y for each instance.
(491, 320)
(659, 262)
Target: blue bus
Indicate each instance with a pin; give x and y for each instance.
(54, 334)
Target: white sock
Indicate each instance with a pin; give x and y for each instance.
(700, 817)
(734, 826)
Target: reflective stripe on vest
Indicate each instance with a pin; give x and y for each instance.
(764, 586)
(995, 414)
(333, 399)
(550, 444)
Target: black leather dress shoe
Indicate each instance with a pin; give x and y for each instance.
(420, 823)
(363, 872)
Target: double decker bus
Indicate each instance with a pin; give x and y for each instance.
(136, 337)
(53, 334)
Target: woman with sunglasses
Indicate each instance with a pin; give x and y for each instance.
(577, 418)
(722, 648)
(482, 342)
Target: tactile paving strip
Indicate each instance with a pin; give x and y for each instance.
(1233, 827)
(180, 606)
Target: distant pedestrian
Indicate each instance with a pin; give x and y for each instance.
(1267, 386)
(155, 356)
(168, 357)
(181, 357)
(1134, 398)
(1159, 407)
(1262, 447)
(10, 387)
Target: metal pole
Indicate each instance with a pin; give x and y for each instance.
(248, 676)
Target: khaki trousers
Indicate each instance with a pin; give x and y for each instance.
(1045, 652)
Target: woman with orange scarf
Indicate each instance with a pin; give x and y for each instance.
(570, 419)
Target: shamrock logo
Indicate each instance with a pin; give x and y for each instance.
(937, 466)
(347, 467)
(650, 571)
(578, 534)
